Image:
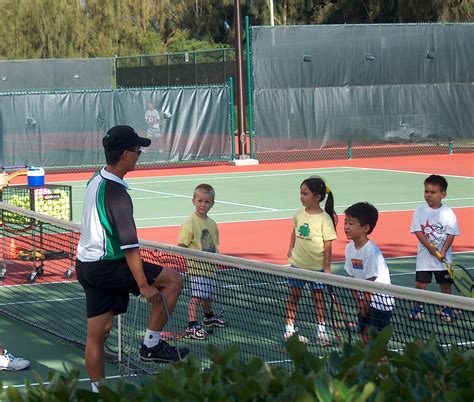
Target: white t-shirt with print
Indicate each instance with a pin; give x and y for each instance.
(368, 262)
(436, 225)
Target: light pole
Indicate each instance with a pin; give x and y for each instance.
(272, 17)
(240, 92)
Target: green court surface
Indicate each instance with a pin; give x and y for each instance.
(265, 195)
(165, 201)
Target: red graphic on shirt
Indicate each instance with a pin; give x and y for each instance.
(434, 233)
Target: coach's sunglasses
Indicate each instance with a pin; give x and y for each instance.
(137, 151)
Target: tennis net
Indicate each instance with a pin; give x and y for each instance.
(253, 297)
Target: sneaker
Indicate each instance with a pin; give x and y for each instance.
(12, 363)
(162, 352)
(418, 313)
(196, 332)
(215, 321)
(323, 339)
(448, 314)
(288, 334)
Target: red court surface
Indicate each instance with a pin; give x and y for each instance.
(269, 240)
(457, 164)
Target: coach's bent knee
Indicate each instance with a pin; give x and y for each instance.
(171, 279)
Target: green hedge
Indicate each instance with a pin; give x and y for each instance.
(423, 371)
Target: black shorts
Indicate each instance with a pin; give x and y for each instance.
(441, 276)
(378, 319)
(108, 283)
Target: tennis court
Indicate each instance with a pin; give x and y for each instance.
(253, 209)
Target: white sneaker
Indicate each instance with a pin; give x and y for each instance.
(12, 363)
(323, 338)
(288, 334)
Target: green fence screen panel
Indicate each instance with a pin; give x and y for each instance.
(328, 86)
(64, 130)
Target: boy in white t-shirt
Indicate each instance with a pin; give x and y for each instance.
(435, 226)
(365, 261)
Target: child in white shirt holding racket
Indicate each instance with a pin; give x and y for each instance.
(311, 248)
(435, 226)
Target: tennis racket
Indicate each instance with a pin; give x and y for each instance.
(461, 277)
(343, 323)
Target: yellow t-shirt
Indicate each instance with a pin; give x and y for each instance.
(310, 233)
(200, 234)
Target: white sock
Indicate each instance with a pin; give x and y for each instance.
(290, 328)
(152, 338)
(95, 386)
(321, 327)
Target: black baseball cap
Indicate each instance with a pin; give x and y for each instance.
(123, 137)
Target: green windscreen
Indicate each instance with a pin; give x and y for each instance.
(64, 130)
(325, 86)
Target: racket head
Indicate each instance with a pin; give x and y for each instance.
(169, 335)
(342, 327)
(462, 279)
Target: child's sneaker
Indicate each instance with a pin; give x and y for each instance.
(418, 313)
(196, 332)
(215, 321)
(448, 314)
(288, 334)
(12, 363)
(323, 338)
(162, 352)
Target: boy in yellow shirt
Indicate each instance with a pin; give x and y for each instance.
(200, 232)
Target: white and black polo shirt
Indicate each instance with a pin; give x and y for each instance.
(108, 227)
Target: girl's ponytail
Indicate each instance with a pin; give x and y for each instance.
(317, 185)
(329, 207)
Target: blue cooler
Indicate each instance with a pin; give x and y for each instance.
(35, 176)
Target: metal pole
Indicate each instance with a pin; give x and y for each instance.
(240, 97)
(272, 18)
(249, 85)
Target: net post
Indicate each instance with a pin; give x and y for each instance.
(349, 149)
(119, 340)
(450, 146)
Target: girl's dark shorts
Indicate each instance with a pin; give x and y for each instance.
(108, 283)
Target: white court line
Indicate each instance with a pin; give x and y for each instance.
(42, 301)
(412, 172)
(244, 176)
(213, 215)
(210, 176)
(337, 206)
(41, 284)
(217, 201)
(35, 384)
(272, 173)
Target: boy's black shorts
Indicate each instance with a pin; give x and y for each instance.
(108, 283)
(376, 318)
(441, 276)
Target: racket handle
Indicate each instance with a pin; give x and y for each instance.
(437, 252)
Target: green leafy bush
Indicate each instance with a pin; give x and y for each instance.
(424, 371)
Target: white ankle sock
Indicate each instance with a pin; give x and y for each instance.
(151, 338)
(95, 386)
(321, 327)
(290, 328)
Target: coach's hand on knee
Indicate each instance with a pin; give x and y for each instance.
(150, 293)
